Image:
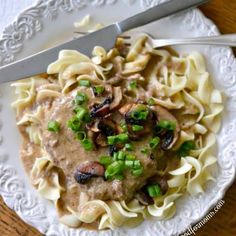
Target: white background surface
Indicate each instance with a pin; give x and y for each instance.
(9, 9)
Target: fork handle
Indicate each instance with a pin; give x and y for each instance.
(224, 40)
(157, 12)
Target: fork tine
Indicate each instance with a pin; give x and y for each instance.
(125, 36)
(127, 44)
(78, 32)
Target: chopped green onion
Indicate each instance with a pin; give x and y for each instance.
(137, 172)
(137, 127)
(151, 102)
(129, 147)
(141, 113)
(81, 135)
(87, 144)
(80, 113)
(114, 169)
(137, 164)
(86, 117)
(166, 124)
(154, 190)
(130, 157)
(80, 98)
(145, 150)
(120, 138)
(154, 142)
(105, 160)
(54, 126)
(84, 82)
(121, 156)
(98, 89)
(129, 164)
(185, 148)
(74, 124)
(115, 156)
(133, 85)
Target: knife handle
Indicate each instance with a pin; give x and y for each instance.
(157, 12)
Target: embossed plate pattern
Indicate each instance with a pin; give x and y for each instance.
(50, 22)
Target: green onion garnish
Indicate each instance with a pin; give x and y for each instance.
(166, 124)
(129, 164)
(145, 150)
(121, 156)
(54, 126)
(141, 113)
(154, 142)
(87, 144)
(185, 148)
(74, 124)
(120, 138)
(114, 169)
(130, 157)
(99, 89)
(80, 98)
(80, 113)
(154, 190)
(137, 172)
(137, 127)
(151, 102)
(129, 147)
(133, 85)
(81, 135)
(84, 82)
(105, 160)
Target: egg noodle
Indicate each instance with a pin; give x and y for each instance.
(180, 84)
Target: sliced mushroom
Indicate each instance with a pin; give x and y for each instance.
(117, 97)
(101, 140)
(112, 149)
(107, 127)
(168, 137)
(167, 140)
(87, 170)
(93, 126)
(126, 108)
(144, 198)
(102, 109)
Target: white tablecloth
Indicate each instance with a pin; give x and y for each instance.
(9, 9)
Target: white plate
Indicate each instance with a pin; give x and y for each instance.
(50, 22)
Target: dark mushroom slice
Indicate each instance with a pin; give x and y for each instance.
(102, 109)
(113, 149)
(88, 170)
(168, 137)
(144, 198)
(107, 127)
(101, 140)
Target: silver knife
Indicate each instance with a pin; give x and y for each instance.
(105, 37)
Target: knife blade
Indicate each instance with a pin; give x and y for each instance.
(105, 37)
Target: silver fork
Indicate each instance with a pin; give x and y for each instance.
(223, 40)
